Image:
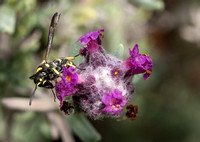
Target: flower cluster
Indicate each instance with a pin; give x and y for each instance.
(102, 84)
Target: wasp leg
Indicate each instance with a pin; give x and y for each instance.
(30, 102)
(70, 58)
(44, 61)
(54, 95)
(79, 68)
(56, 72)
(70, 64)
(73, 65)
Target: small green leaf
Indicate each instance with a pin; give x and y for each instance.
(151, 4)
(83, 129)
(7, 17)
(119, 51)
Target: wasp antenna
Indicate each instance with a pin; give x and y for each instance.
(30, 102)
(54, 22)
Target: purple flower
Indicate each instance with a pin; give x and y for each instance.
(91, 87)
(138, 63)
(89, 36)
(66, 86)
(92, 40)
(113, 102)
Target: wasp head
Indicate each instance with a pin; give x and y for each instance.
(42, 79)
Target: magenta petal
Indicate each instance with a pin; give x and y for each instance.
(123, 103)
(107, 109)
(71, 69)
(117, 111)
(85, 41)
(140, 60)
(64, 70)
(116, 94)
(146, 76)
(94, 36)
(93, 46)
(106, 99)
(102, 30)
(86, 38)
(135, 50)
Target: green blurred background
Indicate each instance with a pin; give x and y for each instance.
(169, 101)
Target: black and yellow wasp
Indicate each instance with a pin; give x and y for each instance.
(47, 72)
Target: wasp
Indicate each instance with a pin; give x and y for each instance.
(47, 72)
